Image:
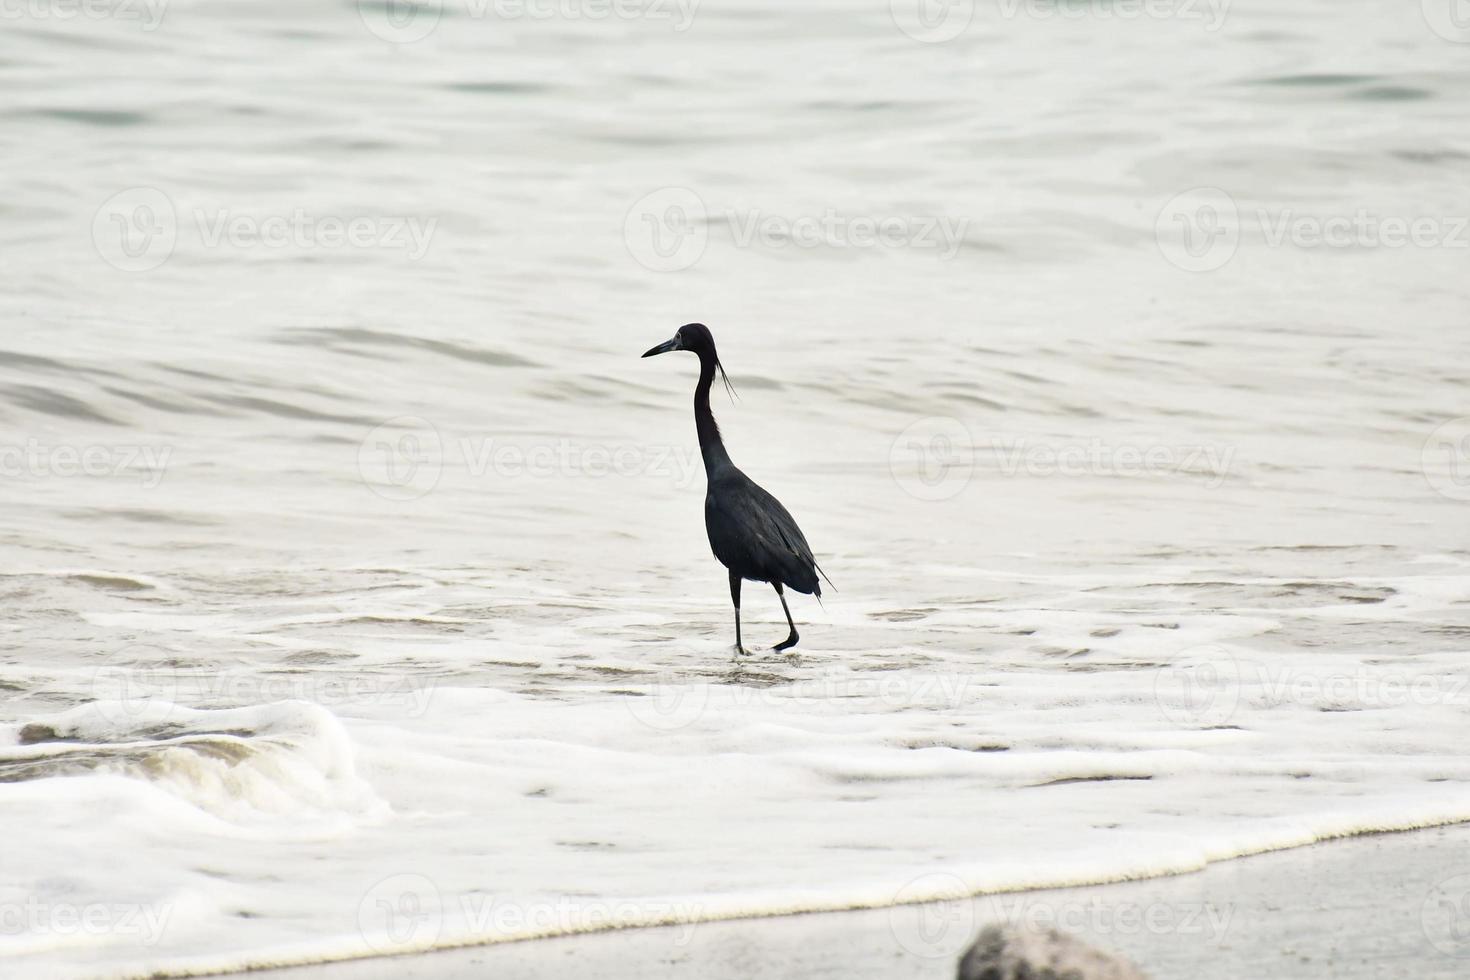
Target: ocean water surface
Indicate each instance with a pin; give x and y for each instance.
(354, 594)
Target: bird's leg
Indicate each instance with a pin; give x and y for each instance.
(735, 598)
(790, 641)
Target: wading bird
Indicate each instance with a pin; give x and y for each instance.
(749, 531)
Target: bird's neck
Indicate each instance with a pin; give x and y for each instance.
(711, 446)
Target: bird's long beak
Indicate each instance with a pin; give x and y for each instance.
(663, 348)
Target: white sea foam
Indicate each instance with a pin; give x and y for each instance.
(682, 794)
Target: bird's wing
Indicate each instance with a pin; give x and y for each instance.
(765, 531)
(784, 524)
(791, 535)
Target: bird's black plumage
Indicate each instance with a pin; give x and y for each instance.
(749, 531)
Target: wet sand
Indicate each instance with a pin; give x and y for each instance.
(1366, 908)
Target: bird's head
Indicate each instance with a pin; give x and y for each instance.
(695, 338)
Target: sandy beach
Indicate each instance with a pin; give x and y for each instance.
(1366, 908)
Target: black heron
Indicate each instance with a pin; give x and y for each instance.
(749, 531)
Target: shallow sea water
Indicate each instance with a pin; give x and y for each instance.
(355, 590)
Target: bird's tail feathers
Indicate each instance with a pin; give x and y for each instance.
(824, 576)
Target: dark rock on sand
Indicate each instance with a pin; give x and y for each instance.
(1040, 954)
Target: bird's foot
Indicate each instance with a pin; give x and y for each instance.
(739, 651)
(787, 643)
